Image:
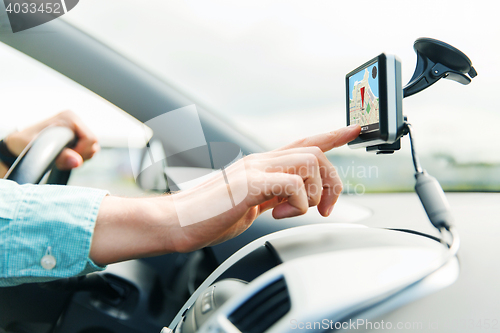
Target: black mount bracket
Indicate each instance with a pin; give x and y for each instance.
(435, 60)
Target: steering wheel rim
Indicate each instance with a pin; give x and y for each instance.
(39, 157)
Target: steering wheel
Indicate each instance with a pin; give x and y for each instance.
(40, 155)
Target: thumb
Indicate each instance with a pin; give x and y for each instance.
(68, 159)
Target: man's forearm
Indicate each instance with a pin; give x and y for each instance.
(128, 228)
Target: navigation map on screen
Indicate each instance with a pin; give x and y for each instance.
(364, 99)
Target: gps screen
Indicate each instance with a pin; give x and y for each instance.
(364, 99)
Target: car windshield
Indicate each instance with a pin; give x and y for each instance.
(275, 70)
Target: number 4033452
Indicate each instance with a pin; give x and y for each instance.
(25, 8)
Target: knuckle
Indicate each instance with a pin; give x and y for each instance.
(316, 150)
(303, 210)
(93, 140)
(67, 113)
(251, 158)
(300, 142)
(311, 159)
(296, 181)
(314, 201)
(250, 162)
(334, 135)
(315, 196)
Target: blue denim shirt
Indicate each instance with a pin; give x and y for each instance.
(46, 221)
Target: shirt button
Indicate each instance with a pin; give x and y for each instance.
(48, 261)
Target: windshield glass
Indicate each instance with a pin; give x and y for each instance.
(276, 70)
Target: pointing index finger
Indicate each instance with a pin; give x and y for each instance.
(329, 140)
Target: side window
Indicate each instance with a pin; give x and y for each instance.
(31, 92)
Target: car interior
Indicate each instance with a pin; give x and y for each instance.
(384, 256)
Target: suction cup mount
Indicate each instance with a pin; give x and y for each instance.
(437, 60)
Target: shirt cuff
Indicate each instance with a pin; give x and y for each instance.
(49, 233)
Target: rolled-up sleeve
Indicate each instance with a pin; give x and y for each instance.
(46, 231)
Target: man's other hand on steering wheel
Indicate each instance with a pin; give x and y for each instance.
(86, 145)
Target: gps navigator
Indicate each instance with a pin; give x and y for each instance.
(374, 98)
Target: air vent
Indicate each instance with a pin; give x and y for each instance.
(263, 309)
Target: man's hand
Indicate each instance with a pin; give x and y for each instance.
(85, 148)
(288, 181)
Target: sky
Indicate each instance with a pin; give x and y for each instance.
(276, 70)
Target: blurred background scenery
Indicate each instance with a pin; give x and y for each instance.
(275, 70)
